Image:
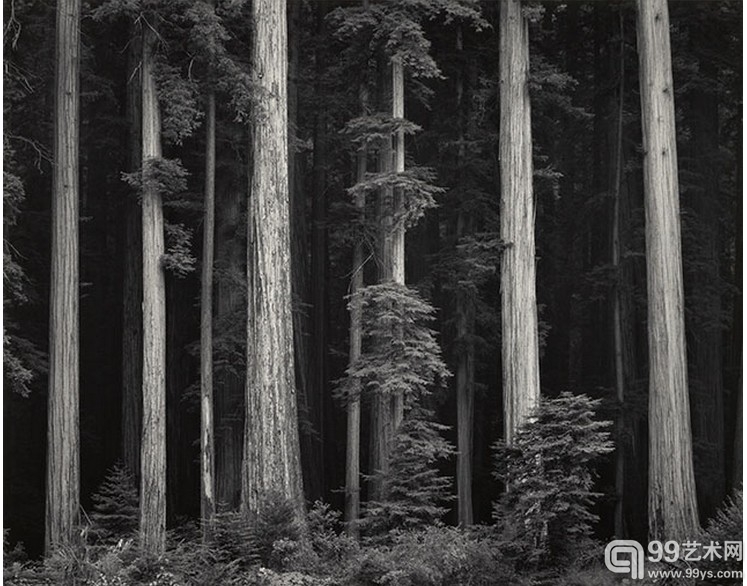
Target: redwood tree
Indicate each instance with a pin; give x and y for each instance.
(271, 447)
(63, 457)
(672, 508)
(153, 450)
(520, 344)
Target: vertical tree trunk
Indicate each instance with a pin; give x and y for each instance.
(153, 453)
(465, 370)
(353, 407)
(271, 451)
(132, 317)
(617, 322)
(398, 236)
(520, 353)
(672, 508)
(63, 456)
(207, 447)
(230, 307)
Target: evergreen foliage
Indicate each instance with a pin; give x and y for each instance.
(726, 525)
(547, 506)
(414, 489)
(400, 352)
(116, 508)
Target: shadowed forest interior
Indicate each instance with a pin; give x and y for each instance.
(334, 287)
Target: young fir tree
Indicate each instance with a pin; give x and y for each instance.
(116, 506)
(547, 510)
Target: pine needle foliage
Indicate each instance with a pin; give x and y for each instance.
(726, 525)
(400, 352)
(414, 489)
(116, 506)
(548, 471)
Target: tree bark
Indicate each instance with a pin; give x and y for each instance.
(271, 450)
(520, 352)
(153, 452)
(672, 508)
(207, 446)
(63, 448)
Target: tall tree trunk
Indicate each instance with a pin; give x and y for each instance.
(398, 235)
(63, 455)
(465, 370)
(271, 451)
(353, 407)
(520, 351)
(153, 453)
(672, 509)
(230, 307)
(619, 338)
(207, 446)
(132, 317)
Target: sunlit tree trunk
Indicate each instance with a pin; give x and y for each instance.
(520, 353)
(672, 508)
(63, 449)
(271, 450)
(153, 452)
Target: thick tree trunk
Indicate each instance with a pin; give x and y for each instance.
(63, 455)
(153, 453)
(672, 509)
(132, 316)
(207, 446)
(271, 451)
(520, 352)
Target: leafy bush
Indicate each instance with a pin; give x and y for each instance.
(726, 525)
(546, 511)
(276, 523)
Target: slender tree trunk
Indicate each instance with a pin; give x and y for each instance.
(465, 370)
(617, 323)
(230, 307)
(153, 454)
(353, 407)
(132, 316)
(63, 449)
(672, 510)
(207, 446)
(520, 352)
(398, 236)
(271, 451)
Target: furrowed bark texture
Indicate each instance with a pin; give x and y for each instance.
(271, 450)
(207, 441)
(63, 450)
(672, 508)
(520, 353)
(153, 451)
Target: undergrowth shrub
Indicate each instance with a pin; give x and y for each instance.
(545, 516)
(116, 507)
